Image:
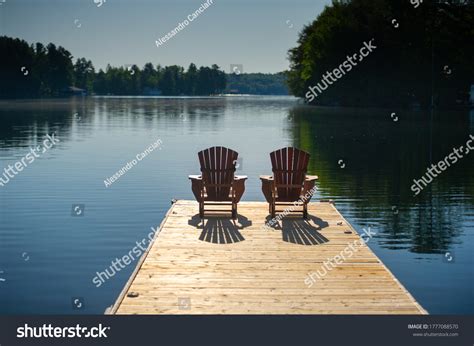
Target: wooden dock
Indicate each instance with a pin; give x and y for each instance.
(223, 267)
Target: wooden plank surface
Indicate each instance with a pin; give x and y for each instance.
(241, 267)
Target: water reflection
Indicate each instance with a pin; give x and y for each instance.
(24, 123)
(381, 157)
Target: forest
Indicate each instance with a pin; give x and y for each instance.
(31, 71)
(424, 55)
(49, 71)
(257, 83)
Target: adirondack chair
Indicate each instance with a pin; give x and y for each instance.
(217, 183)
(289, 182)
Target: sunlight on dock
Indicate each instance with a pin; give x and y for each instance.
(242, 267)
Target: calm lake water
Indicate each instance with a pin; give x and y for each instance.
(48, 256)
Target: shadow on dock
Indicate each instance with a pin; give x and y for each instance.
(220, 230)
(301, 231)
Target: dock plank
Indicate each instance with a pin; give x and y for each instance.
(242, 267)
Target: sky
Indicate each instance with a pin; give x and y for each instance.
(255, 34)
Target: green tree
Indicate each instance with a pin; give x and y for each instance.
(84, 74)
(191, 79)
(61, 70)
(149, 77)
(218, 80)
(172, 80)
(41, 66)
(16, 69)
(100, 83)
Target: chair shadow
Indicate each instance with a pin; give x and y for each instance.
(220, 230)
(297, 230)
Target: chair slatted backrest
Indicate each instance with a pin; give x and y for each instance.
(217, 169)
(289, 167)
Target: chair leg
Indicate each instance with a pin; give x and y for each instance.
(234, 211)
(305, 211)
(201, 210)
(273, 211)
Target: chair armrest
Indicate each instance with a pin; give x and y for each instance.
(311, 178)
(308, 186)
(197, 187)
(238, 187)
(267, 187)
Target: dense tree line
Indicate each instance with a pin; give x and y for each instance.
(169, 80)
(257, 83)
(39, 71)
(422, 52)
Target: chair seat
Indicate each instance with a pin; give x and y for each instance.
(287, 199)
(210, 199)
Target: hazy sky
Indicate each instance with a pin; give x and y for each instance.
(254, 33)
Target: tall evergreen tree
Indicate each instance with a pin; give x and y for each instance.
(84, 74)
